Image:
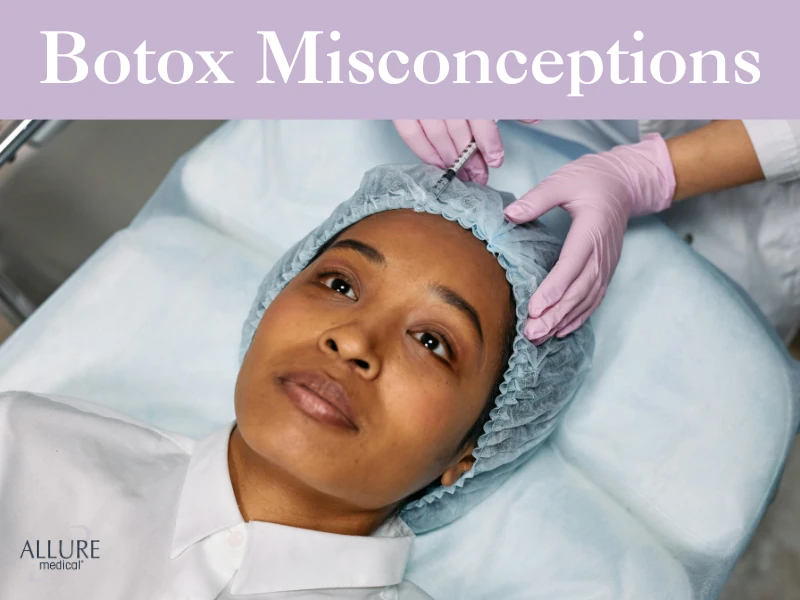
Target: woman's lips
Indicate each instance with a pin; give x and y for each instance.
(321, 397)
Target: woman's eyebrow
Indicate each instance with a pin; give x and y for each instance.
(457, 301)
(371, 254)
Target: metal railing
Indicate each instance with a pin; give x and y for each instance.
(13, 136)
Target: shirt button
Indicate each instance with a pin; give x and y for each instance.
(235, 539)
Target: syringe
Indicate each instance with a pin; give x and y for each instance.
(450, 174)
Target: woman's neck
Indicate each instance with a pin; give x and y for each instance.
(266, 493)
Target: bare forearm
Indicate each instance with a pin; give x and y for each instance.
(715, 157)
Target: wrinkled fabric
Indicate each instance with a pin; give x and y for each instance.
(539, 382)
(160, 505)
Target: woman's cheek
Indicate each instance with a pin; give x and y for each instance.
(427, 405)
(288, 314)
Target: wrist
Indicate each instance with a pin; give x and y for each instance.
(653, 175)
(714, 157)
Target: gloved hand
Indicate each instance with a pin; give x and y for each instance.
(601, 192)
(439, 143)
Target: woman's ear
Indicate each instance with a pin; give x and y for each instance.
(464, 464)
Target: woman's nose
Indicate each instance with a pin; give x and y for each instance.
(351, 344)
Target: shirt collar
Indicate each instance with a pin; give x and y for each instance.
(207, 503)
(282, 559)
(278, 558)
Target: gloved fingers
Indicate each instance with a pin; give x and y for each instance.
(565, 331)
(592, 299)
(412, 133)
(531, 121)
(490, 144)
(575, 254)
(542, 328)
(438, 134)
(475, 168)
(534, 203)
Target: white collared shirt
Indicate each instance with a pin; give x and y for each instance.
(96, 505)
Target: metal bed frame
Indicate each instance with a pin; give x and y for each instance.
(13, 136)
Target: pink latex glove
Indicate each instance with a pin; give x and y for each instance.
(439, 142)
(601, 192)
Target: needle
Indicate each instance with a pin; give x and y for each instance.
(450, 174)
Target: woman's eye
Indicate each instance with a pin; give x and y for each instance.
(337, 284)
(432, 343)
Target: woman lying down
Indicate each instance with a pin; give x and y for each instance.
(385, 390)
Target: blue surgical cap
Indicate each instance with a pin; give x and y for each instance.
(540, 381)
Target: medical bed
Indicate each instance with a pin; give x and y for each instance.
(650, 488)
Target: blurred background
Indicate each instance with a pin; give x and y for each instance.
(73, 184)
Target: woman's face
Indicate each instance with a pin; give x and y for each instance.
(369, 368)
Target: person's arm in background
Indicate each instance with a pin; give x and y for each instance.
(715, 157)
(603, 191)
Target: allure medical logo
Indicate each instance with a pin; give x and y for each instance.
(61, 555)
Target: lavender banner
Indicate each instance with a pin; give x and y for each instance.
(411, 58)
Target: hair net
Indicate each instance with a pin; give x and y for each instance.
(540, 380)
